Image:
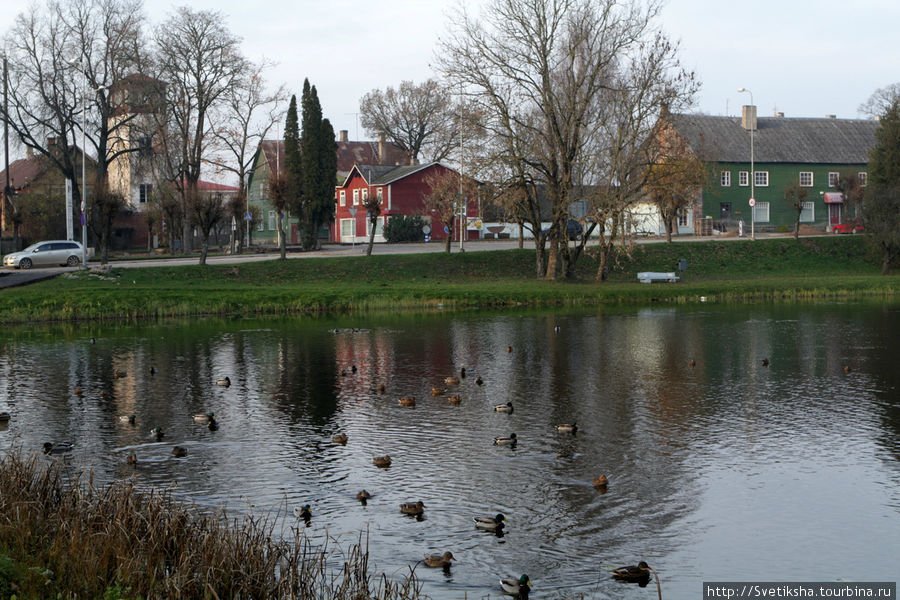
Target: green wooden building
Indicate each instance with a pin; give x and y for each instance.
(810, 152)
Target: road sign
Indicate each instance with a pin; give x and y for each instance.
(752, 202)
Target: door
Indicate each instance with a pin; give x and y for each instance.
(347, 231)
(43, 255)
(725, 213)
(834, 214)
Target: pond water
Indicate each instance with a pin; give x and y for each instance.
(726, 470)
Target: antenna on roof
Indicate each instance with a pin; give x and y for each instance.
(356, 115)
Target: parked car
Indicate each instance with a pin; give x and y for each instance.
(45, 254)
(574, 230)
(849, 226)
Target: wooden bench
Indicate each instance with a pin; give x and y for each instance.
(650, 277)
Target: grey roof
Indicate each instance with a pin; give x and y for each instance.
(387, 174)
(778, 139)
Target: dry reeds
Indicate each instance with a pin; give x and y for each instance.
(74, 538)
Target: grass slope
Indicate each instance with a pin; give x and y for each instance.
(728, 270)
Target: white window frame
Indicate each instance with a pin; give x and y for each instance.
(806, 178)
(833, 178)
(379, 193)
(260, 226)
(725, 179)
(761, 210)
(365, 195)
(808, 214)
(144, 191)
(272, 223)
(744, 178)
(379, 226)
(761, 179)
(356, 197)
(863, 178)
(683, 216)
(343, 197)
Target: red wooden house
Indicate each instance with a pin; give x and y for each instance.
(401, 189)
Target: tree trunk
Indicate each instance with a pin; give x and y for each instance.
(797, 228)
(669, 220)
(186, 242)
(886, 260)
(282, 245)
(371, 237)
(204, 248)
(449, 240)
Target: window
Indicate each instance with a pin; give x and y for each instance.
(683, 215)
(743, 178)
(271, 220)
(379, 227)
(806, 179)
(761, 214)
(365, 195)
(355, 197)
(725, 179)
(379, 193)
(761, 179)
(144, 190)
(343, 197)
(833, 178)
(863, 179)
(808, 214)
(259, 226)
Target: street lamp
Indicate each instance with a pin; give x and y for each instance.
(752, 171)
(247, 214)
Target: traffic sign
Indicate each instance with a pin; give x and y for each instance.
(752, 202)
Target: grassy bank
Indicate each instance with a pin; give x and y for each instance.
(822, 267)
(72, 539)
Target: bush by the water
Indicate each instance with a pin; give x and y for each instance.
(403, 228)
(62, 536)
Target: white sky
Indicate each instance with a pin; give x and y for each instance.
(806, 58)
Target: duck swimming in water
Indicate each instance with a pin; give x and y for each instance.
(412, 508)
(490, 523)
(512, 440)
(516, 587)
(438, 560)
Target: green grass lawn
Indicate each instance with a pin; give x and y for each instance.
(728, 270)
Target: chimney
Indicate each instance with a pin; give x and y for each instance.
(748, 117)
(831, 116)
(343, 136)
(381, 157)
(780, 115)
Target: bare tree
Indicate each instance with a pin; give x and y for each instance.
(795, 195)
(207, 210)
(880, 101)
(674, 179)
(200, 60)
(852, 190)
(65, 58)
(372, 204)
(106, 206)
(448, 190)
(280, 194)
(420, 119)
(543, 74)
(246, 116)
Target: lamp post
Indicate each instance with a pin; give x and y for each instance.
(247, 214)
(752, 171)
(77, 64)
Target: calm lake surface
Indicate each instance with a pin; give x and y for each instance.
(727, 470)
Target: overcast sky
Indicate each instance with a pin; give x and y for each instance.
(806, 58)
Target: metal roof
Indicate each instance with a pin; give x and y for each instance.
(778, 139)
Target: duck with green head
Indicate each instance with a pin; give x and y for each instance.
(495, 523)
(516, 587)
(512, 440)
(504, 408)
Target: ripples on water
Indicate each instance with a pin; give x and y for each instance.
(723, 471)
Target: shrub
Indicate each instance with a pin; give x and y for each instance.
(402, 228)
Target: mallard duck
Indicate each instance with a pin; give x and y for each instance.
(462, 373)
(454, 399)
(223, 382)
(303, 512)
(438, 560)
(380, 388)
(479, 380)
(102, 393)
(339, 438)
(567, 427)
(205, 418)
(179, 451)
(847, 368)
(130, 419)
(632, 573)
(4, 417)
(78, 391)
(213, 425)
(437, 391)
(131, 459)
(451, 380)
(490, 523)
(692, 363)
(412, 508)
(765, 362)
(407, 401)
(504, 408)
(363, 495)
(509, 348)
(57, 447)
(157, 433)
(601, 481)
(382, 461)
(512, 440)
(516, 587)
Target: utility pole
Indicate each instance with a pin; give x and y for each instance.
(6, 186)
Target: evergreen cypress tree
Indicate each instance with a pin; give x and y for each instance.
(328, 166)
(319, 159)
(881, 205)
(293, 165)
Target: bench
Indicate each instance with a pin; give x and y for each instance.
(650, 277)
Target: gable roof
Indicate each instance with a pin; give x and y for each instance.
(348, 154)
(386, 174)
(23, 171)
(778, 139)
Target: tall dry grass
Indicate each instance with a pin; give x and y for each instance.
(71, 538)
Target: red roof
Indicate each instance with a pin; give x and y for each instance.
(348, 154)
(209, 186)
(23, 171)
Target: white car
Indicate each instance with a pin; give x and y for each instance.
(43, 254)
